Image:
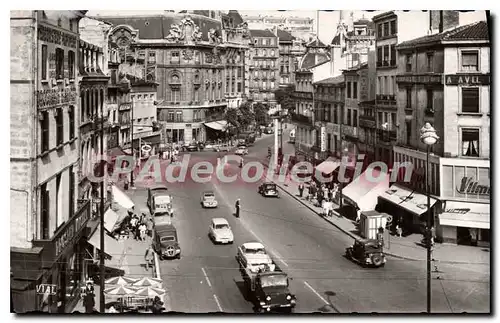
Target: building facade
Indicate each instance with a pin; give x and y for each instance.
(47, 223)
(444, 79)
(291, 50)
(264, 67)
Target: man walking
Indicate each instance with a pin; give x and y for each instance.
(301, 189)
(149, 257)
(237, 208)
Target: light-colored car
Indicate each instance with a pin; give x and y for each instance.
(222, 147)
(253, 255)
(208, 200)
(220, 231)
(241, 151)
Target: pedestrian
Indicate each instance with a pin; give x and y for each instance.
(125, 183)
(149, 257)
(320, 198)
(330, 194)
(399, 231)
(237, 208)
(301, 189)
(142, 231)
(89, 302)
(149, 225)
(157, 306)
(133, 225)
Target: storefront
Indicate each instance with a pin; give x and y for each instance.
(60, 264)
(216, 130)
(465, 215)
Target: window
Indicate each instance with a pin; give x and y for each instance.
(44, 126)
(348, 90)
(71, 65)
(152, 57)
(393, 56)
(176, 93)
(379, 56)
(408, 63)
(393, 120)
(380, 30)
(470, 142)
(354, 90)
(197, 58)
(71, 117)
(335, 115)
(178, 116)
(394, 28)
(380, 118)
(348, 117)
(386, 28)
(44, 212)
(44, 62)
(175, 57)
(59, 126)
(354, 118)
(470, 99)
(272, 52)
(59, 63)
(71, 191)
(430, 62)
(386, 55)
(408, 98)
(59, 201)
(470, 61)
(408, 132)
(171, 116)
(430, 100)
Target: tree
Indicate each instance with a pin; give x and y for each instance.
(241, 117)
(260, 112)
(284, 98)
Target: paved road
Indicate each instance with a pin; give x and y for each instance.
(206, 278)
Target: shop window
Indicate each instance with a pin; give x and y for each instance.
(470, 142)
(44, 62)
(470, 100)
(470, 60)
(71, 117)
(44, 126)
(59, 63)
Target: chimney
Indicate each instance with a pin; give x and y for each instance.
(440, 21)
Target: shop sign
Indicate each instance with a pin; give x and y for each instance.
(52, 97)
(70, 231)
(422, 79)
(51, 35)
(323, 139)
(467, 182)
(363, 91)
(457, 211)
(46, 289)
(468, 79)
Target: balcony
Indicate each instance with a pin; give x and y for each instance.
(367, 122)
(302, 119)
(387, 136)
(388, 100)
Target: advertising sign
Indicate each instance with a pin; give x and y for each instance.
(323, 139)
(466, 182)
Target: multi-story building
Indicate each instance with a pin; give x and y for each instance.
(264, 68)
(186, 57)
(290, 51)
(301, 28)
(392, 28)
(46, 223)
(444, 79)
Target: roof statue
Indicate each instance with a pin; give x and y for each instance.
(186, 30)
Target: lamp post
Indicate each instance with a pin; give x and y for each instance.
(429, 137)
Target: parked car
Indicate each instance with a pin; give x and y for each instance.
(269, 130)
(165, 241)
(223, 147)
(208, 200)
(268, 189)
(159, 201)
(366, 252)
(241, 151)
(193, 146)
(220, 231)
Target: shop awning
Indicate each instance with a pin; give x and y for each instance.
(217, 125)
(328, 166)
(365, 189)
(409, 200)
(112, 248)
(466, 215)
(121, 198)
(110, 218)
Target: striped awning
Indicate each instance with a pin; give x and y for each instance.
(217, 125)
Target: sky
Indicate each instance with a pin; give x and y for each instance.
(327, 20)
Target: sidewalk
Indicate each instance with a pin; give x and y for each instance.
(399, 247)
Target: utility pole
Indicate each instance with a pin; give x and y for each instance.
(341, 133)
(132, 143)
(101, 292)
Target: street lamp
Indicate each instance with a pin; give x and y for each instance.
(429, 137)
(344, 153)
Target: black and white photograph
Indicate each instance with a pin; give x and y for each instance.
(254, 162)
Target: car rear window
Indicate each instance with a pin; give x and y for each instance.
(167, 238)
(222, 226)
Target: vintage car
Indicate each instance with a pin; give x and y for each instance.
(165, 241)
(366, 253)
(253, 256)
(241, 151)
(271, 292)
(220, 231)
(269, 130)
(208, 200)
(268, 189)
(222, 147)
(193, 146)
(159, 201)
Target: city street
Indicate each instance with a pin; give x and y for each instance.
(206, 278)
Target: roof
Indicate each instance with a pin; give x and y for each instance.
(158, 186)
(316, 43)
(253, 245)
(362, 22)
(158, 27)
(285, 35)
(219, 221)
(235, 15)
(475, 31)
(310, 60)
(332, 80)
(261, 33)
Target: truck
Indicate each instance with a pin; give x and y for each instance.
(265, 282)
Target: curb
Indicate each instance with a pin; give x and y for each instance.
(334, 224)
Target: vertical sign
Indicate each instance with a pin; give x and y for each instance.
(323, 139)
